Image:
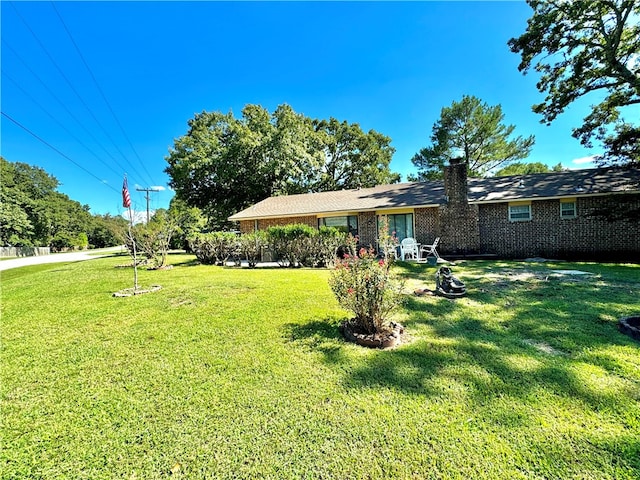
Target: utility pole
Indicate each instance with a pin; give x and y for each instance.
(147, 196)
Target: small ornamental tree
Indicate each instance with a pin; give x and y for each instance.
(154, 238)
(364, 285)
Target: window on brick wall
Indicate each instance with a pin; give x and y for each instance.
(568, 209)
(520, 212)
(400, 224)
(346, 223)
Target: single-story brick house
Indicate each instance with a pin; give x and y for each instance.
(586, 214)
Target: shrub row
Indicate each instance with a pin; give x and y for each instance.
(292, 245)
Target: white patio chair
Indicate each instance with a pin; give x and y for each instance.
(430, 250)
(409, 247)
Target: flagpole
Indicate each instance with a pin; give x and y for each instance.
(126, 202)
(135, 260)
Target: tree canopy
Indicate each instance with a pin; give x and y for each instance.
(581, 48)
(470, 131)
(33, 213)
(521, 168)
(224, 164)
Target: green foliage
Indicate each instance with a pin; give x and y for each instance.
(189, 220)
(292, 244)
(519, 168)
(65, 241)
(328, 241)
(32, 212)
(214, 248)
(107, 231)
(15, 227)
(353, 158)
(225, 164)
(472, 132)
(154, 238)
(297, 245)
(252, 245)
(587, 47)
(364, 285)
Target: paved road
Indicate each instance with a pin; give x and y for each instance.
(58, 257)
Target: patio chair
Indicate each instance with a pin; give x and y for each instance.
(430, 250)
(409, 247)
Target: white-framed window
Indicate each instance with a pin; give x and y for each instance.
(519, 212)
(568, 209)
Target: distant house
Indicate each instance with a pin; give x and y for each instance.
(579, 214)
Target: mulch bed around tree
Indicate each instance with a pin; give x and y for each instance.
(386, 339)
(630, 326)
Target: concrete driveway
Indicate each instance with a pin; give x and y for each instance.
(58, 257)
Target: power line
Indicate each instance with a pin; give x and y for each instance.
(44, 49)
(95, 81)
(60, 123)
(56, 150)
(62, 104)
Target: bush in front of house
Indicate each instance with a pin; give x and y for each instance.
(214, 248)
(251, 246)
(297, 245)
(328, 241)
(291, 244)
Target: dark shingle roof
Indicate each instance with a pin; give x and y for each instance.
(571, 183)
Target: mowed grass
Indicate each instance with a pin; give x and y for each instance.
(238, 373)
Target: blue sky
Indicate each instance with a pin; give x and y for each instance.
(388, 66)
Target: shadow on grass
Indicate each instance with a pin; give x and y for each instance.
(187, 263)
(508, 337)
(319, 335)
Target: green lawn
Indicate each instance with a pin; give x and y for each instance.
(237, 373)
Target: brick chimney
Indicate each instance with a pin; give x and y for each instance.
(459, 221)
(455, 182)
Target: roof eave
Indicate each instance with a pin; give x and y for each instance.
(237, 217)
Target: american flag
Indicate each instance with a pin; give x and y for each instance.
(126, 198)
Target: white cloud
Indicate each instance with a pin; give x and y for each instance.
(157, 188)
(138, 216)
(583, 161)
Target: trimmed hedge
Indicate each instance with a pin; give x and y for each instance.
(293, 245)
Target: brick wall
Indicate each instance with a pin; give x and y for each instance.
(459, 229)
(427, 224)
(247, 226)
(368, 229)
(589, 236)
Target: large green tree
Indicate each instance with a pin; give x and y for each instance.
(34, 213)
(473, 132)
(526, 168)
(588, 48)
(352, 158)
(224, 164)
(105, 230)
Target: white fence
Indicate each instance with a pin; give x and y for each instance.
(24, 251)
